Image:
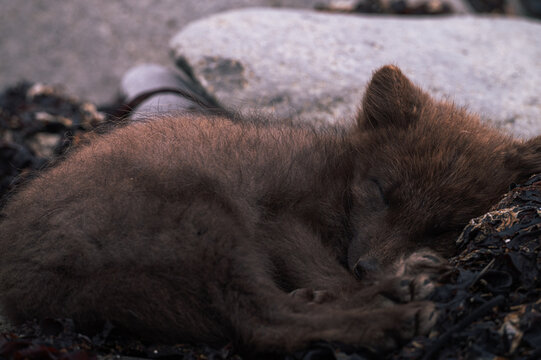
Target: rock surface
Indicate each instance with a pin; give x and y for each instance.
(296, 63)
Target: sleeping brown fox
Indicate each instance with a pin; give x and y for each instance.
(266, 234)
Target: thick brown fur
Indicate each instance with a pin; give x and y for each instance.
(199, 228)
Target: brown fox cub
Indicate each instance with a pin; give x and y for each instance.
(267, 234)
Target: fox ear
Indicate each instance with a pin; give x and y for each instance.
(390, 99)
(525, 158)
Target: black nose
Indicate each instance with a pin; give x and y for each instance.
(365, 267)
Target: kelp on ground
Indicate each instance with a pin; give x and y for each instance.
(38, 123)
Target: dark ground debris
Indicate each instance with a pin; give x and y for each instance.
(37, 123)
(531, 8)
(490, 302)
(396, 7)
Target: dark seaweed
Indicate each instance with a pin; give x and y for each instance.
(37, 123)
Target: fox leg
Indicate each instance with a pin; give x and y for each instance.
(282, 324)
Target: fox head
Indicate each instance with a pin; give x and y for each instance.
(429, 168)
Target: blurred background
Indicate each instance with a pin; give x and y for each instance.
(86, 45)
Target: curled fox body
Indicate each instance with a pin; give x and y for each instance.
(266, 234)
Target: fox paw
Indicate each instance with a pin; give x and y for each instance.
(413, 278)
(422, 262)
(405, 289)
(393, 327)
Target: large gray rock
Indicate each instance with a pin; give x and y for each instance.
(315, 66)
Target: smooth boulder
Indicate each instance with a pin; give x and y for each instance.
(314, 66)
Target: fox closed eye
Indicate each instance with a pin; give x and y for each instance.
(381, 191)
